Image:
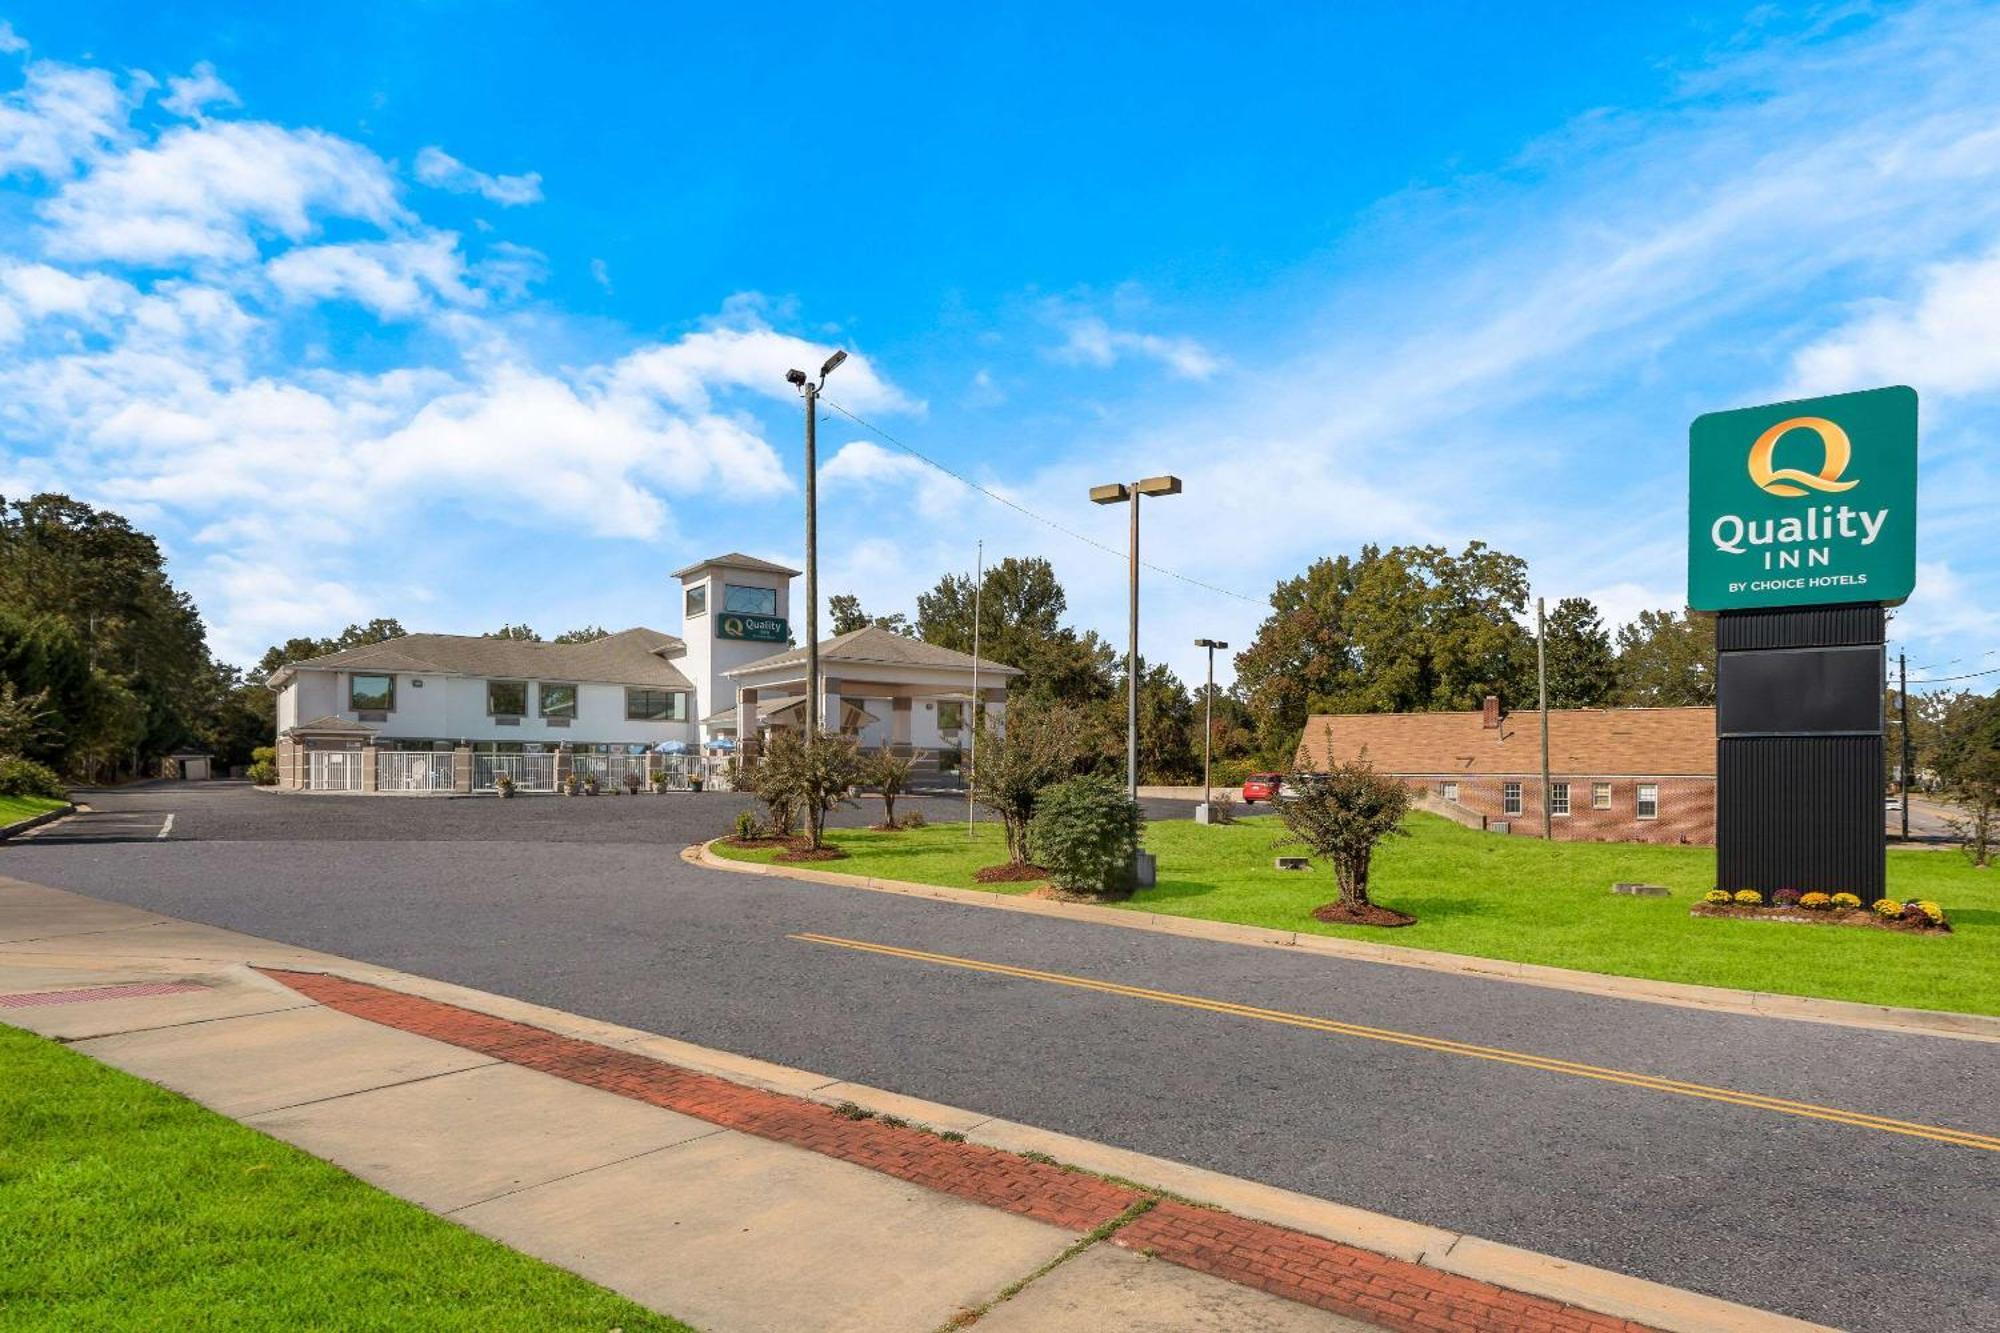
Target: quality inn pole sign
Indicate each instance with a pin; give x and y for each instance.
(1804, 503)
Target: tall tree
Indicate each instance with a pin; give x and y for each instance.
(849, 617)
(588, 634)
(1020, 605)
(1968, 762)
(1583, 671)
(1407, 629)
(1666, 660)
(518, 633)
(379, 630)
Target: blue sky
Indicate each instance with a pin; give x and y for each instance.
(474, 314)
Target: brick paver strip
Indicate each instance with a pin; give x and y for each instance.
(1345, 1279)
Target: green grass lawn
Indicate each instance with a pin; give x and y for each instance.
(126, 1206)
(1520, 898)
(14, 809)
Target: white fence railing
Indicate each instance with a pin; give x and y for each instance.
(333, 770)
(530, 772)
(413, 770)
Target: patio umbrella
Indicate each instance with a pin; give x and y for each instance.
(722, 743)
(671, 747)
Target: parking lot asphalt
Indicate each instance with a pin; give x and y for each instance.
(586, 906)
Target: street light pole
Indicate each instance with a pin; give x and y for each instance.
(1118, 492)
(811, 392)
(1208, 722)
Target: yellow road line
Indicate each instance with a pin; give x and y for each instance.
(1546, 1064)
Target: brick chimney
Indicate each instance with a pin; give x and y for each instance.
(1491, 713)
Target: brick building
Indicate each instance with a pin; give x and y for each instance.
(1616, 774)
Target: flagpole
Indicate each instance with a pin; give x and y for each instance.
(972, 765)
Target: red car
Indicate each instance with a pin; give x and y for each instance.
(1261, 787)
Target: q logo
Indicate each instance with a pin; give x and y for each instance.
(1788, 480)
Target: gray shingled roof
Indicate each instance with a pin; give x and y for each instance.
(330, 726)
(872, 643)
(737, 560)
(629, 657)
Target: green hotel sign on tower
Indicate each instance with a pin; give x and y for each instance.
(1804, 503)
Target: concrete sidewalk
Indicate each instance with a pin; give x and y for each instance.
(754, 1206)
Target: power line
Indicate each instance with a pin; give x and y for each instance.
(1970, 675)
(1970, 657)
(932, 463)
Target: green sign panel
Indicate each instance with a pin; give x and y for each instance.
(756, 629)
(1804, 503)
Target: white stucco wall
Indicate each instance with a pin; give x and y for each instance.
(453, 708)
(708, 657)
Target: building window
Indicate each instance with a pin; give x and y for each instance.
(506, 698)
(1649, 800)
(1449, 791)
(371, 694)
(697, 600)
(951, 715)
(655, 706)
(746, 601)
(1510, 798)
(1558, 798)
(1600, 796)
(557, 700)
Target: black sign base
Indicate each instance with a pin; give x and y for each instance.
(1799, 777)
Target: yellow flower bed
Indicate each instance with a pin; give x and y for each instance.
(1749, 898)
(1716, 896)
(1846, 900)
(1816, 902)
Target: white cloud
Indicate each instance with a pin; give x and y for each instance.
(62, 116)
(893, 480)
(600, 273)
(395, 279)
(1090, 341)
(1945, 337)
(191, 96)
(756, 358)
(210, 192)
(440, 170)
(11, 42)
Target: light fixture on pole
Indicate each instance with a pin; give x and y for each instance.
(810, 391)
(1123, 493)
(1208, 727)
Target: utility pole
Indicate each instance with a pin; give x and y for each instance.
(811, 392)
(978, 588)
(1903, 707)
(1208, 727)
(1542, 686)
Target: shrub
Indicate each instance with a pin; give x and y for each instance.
(632, 782)
(661, 779)
(746, 825)
(1341, 815)
(1716, 896)
(1749, 898)
(504, 783)
(592, 784)
(1888, 908)
(1786, 898)
(1846, 900)
(25, 777)
(798, 776)
(265, 754)
(1042, 744)
(1086, 831)
(264, 773)
(1815, 902)
(915, 819)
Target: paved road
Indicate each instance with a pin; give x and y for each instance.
(1825, 1220)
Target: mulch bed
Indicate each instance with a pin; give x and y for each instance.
(1010, 874)
(1839, 916)
(800, 852)
(757, 844)
(1054, 894)
(1337, 913)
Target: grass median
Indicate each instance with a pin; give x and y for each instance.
(14, 809)
(1525, 900)
(123, 1205)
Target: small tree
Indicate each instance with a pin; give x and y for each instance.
(1086, 831)
(1340, 815)
(809, 778)
(1041, 745)
(24, 718)
(889, 773)
(1969, 763)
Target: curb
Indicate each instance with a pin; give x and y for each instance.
(1653, 1304)
(1718, 999)
(36, 821)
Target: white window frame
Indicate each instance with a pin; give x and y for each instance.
(1510, 800)
(1600, 796)
(542, 688)
(1641, 800)
(1448, 791)
(1559, 800)
(354, 707)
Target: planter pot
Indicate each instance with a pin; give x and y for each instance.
(505, 793)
